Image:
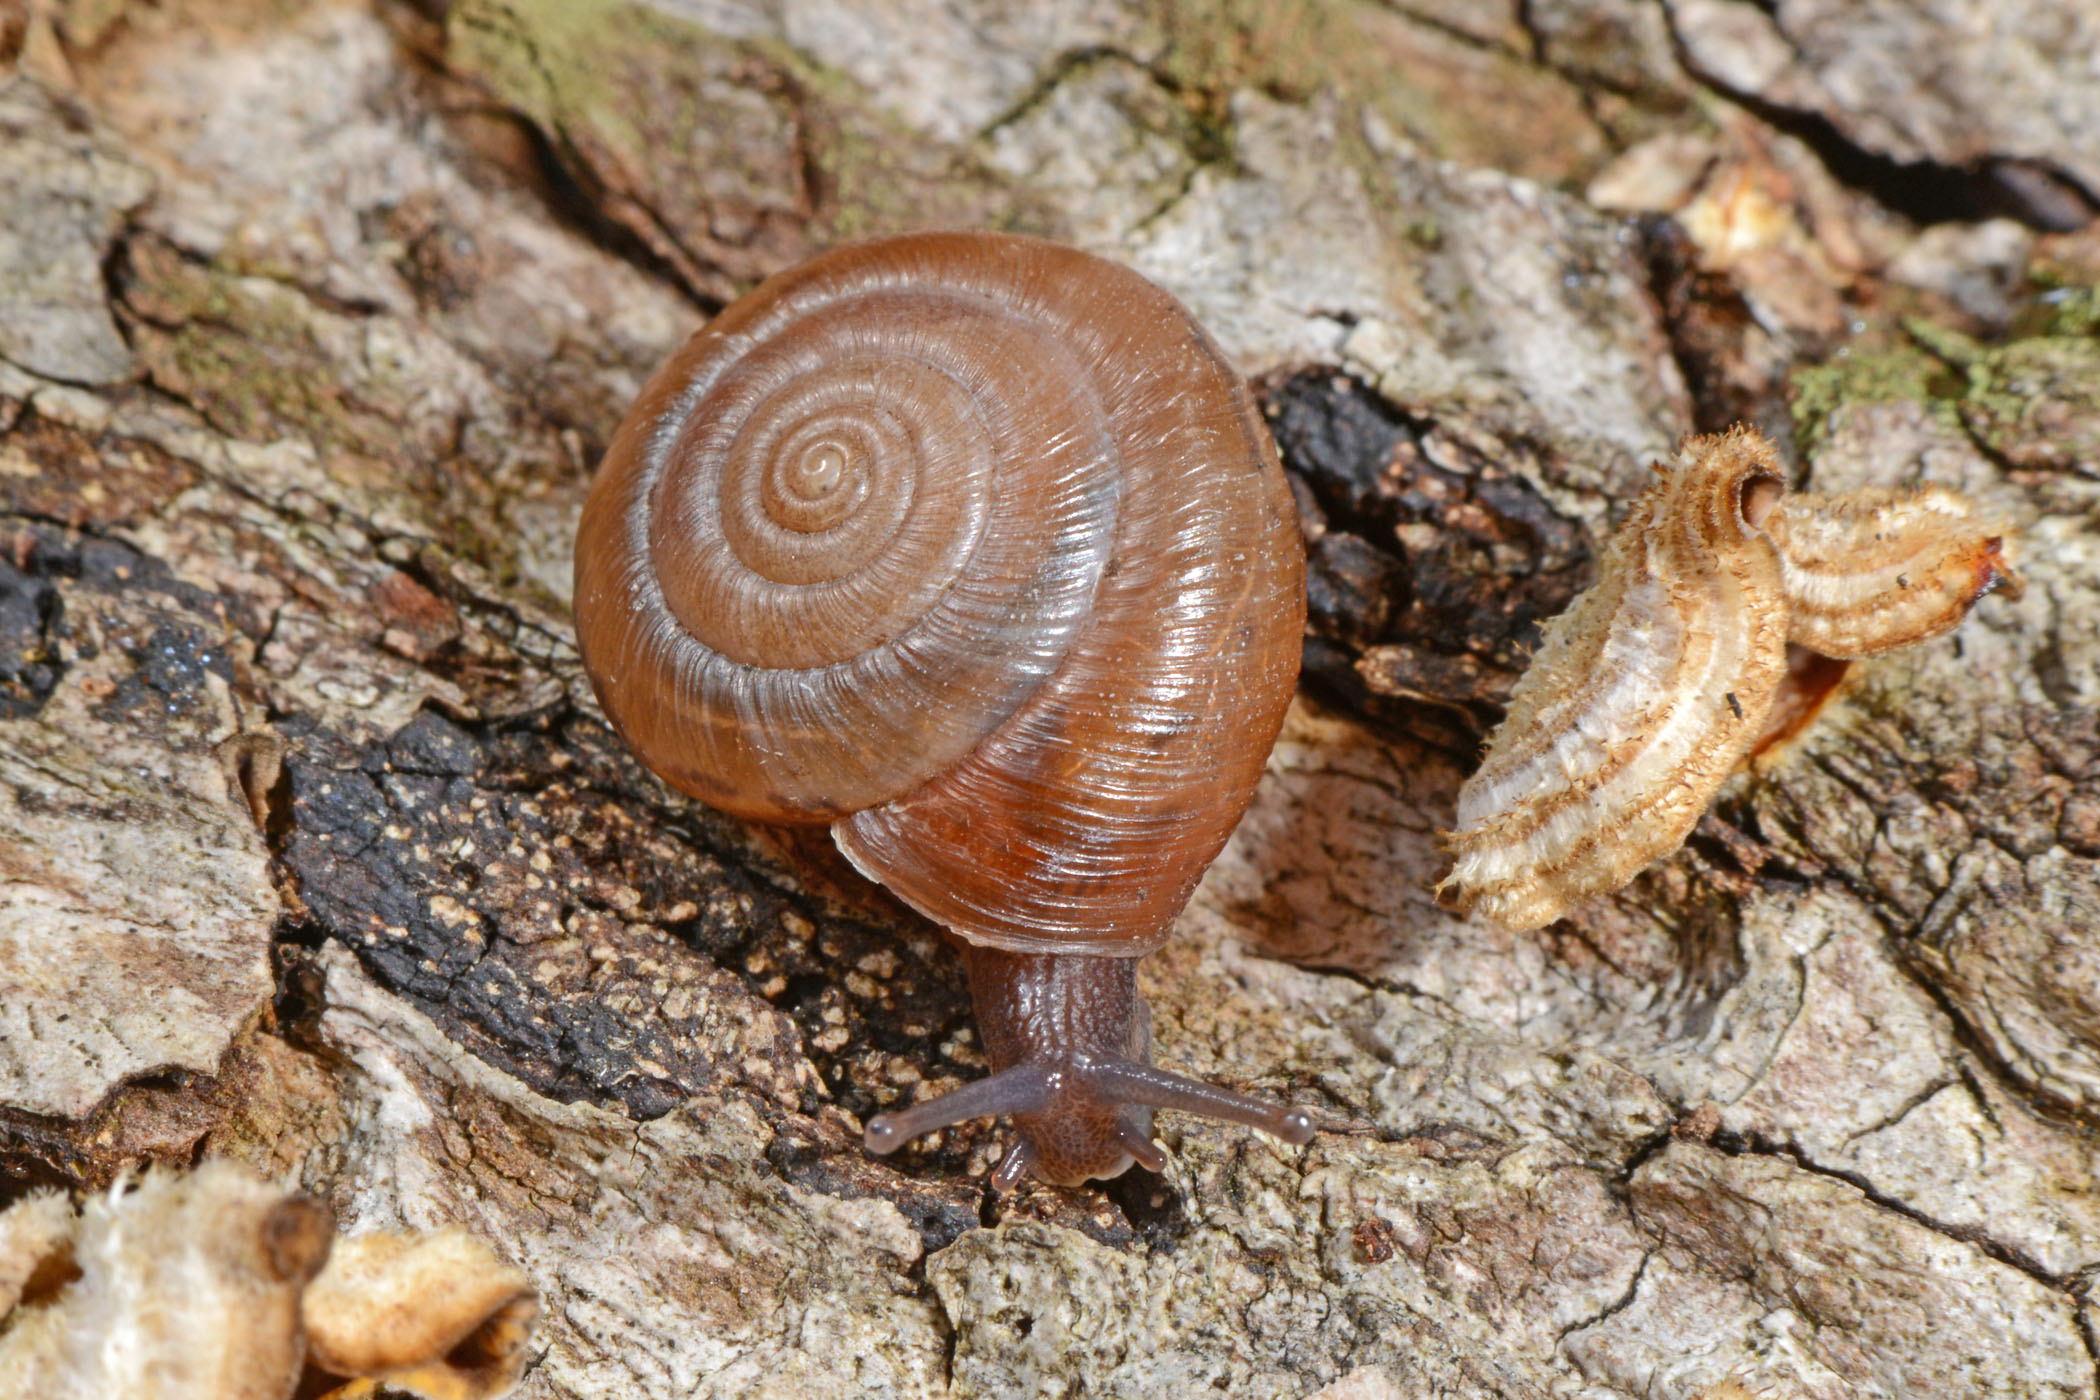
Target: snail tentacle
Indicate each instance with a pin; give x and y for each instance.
(1126, 1082)
(1021, 1089)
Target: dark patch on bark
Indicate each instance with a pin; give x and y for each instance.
(940, 1208)
(1431, 564)
(65, 596)
(1373, 1239)
(167, 687)
(510, 884)
(68, 477)
(30, 611)
(1158, 1214)
(154, 1118)
(1710, 325)
(1088, 1209)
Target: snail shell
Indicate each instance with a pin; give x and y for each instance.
(972, 547)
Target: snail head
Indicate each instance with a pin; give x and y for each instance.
(1069, 1040)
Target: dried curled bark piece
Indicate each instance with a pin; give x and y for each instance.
(216, 1285)
(1644, 694)
(1656, 683)
(1873, 570)
(184, 1288)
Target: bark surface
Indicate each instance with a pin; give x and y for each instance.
(316, 852)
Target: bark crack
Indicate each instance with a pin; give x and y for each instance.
(2089, 1333)
(1926, 191)
(1974, 1236)
(1061, 69)
(1903, 1110)
(1460, 35)
(1612, 1309)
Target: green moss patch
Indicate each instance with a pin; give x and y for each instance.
(1461, 99)
(727, 158)
(2033, 401)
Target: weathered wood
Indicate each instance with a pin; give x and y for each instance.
(315, 852)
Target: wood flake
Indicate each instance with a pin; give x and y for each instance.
(1654, 685)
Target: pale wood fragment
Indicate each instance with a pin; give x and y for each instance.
(1657, 682)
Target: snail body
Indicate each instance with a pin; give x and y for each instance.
(973, 548)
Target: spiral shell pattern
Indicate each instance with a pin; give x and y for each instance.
(972, 546)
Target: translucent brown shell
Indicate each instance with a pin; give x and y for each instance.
(1656, 683)
(972, 547)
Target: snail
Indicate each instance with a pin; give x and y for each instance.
(973, 548)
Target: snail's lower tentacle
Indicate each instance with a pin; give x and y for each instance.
(1014, 1167)
(1143, 1150)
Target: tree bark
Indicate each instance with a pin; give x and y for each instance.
(316, 852)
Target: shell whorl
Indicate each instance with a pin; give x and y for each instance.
(972, 546)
